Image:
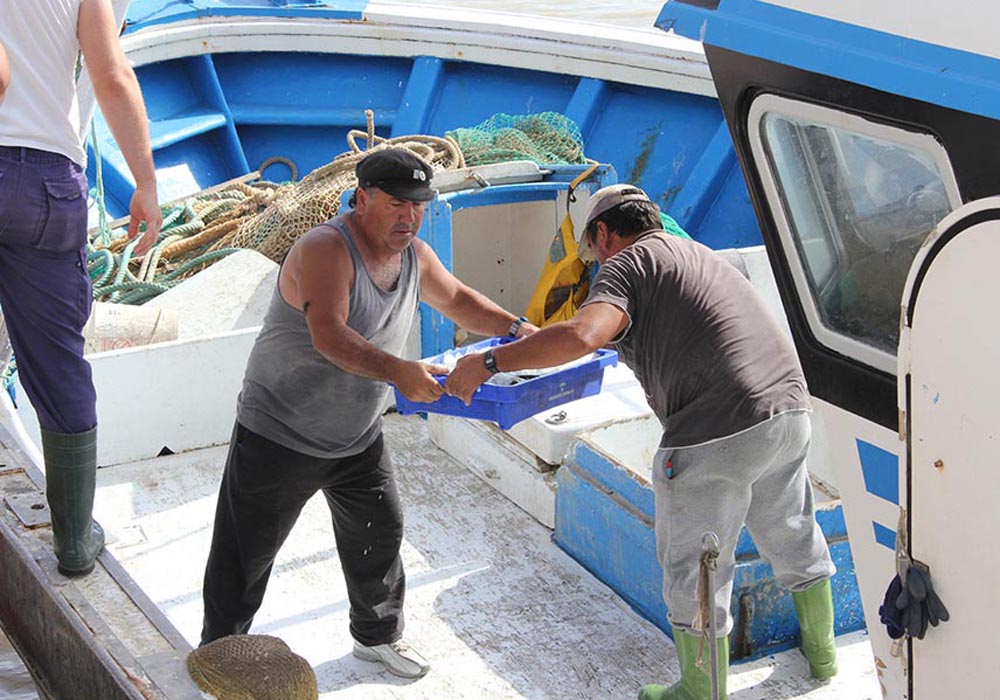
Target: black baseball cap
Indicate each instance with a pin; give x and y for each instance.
(398, 172)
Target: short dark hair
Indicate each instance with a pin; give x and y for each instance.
(627, 219)
(353, 201)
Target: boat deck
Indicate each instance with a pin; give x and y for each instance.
(494, 605)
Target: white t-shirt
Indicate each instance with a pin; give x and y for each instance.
(43, 107)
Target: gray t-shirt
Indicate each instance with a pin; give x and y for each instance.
(709, 355)
(297, 398)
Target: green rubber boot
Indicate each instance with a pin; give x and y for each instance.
(696, 680)
(814, 607)
(70, 481)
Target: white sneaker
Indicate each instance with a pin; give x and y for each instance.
(398, 658)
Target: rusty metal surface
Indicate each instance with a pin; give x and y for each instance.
(30, 508)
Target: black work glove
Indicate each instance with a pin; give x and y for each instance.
(891, 616)
(918, 602)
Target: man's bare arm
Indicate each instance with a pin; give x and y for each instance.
(4, 71)
(118, 94)
(319, 271)
(592, 328)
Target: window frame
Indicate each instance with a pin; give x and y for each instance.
(769, 104)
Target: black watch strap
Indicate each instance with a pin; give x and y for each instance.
(515, 324)
(490, 361)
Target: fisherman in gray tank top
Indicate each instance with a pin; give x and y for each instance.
(726, 384)
(309, 414)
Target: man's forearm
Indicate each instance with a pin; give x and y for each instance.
(4, 71)
(121, 103)
(352, 353)
(548, 347)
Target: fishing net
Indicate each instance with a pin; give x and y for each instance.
(185, 245)
(252, 667)
(316, 198)
(269, 217)
(264, 216)
(546, 138)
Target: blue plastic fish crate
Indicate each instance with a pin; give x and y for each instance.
(507, 405)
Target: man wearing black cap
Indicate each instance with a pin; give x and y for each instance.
(309, 413)
(726, 385)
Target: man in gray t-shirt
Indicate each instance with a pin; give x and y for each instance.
(726, 384)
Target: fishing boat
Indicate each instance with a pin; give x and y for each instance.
(859, 130)
(276, 87)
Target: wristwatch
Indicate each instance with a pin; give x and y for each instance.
(490, 361)
(515, 324)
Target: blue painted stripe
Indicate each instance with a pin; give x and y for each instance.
(885, 536)
(422, 90)
(145, 13)
(586, 104)
(880, 469)
(916, 69)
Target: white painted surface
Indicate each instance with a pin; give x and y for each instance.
(25, 439)
(487, 452)
(629, 444)
(233, 293)
(950, 351)
(874, 563)
(180, 395)
(118, 326)
(549, 434)
(619, 54)
(508, 172)
(969, 25)
(500, 250)
(497, 608)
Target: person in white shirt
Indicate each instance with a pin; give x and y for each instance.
(44, 285)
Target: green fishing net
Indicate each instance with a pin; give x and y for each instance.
(546, 138)
(672, 227)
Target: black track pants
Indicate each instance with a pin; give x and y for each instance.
(264, 488)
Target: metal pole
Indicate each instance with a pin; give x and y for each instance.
(709, 559)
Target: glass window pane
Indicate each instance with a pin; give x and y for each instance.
(858, 205)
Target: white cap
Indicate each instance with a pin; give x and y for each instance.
(601, 201)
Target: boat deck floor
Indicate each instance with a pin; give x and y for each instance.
(494, 605)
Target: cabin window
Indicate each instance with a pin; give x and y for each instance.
(853, 200)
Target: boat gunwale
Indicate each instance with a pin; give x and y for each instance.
(636, 58)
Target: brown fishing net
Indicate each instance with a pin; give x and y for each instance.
(316, 197)
(269, 217)
(252, 667)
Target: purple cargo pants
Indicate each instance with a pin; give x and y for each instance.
(44, 286)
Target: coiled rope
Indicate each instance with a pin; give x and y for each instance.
(264, 216)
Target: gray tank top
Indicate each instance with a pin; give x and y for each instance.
(297, 398)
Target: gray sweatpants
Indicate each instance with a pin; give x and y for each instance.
(757, 477)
